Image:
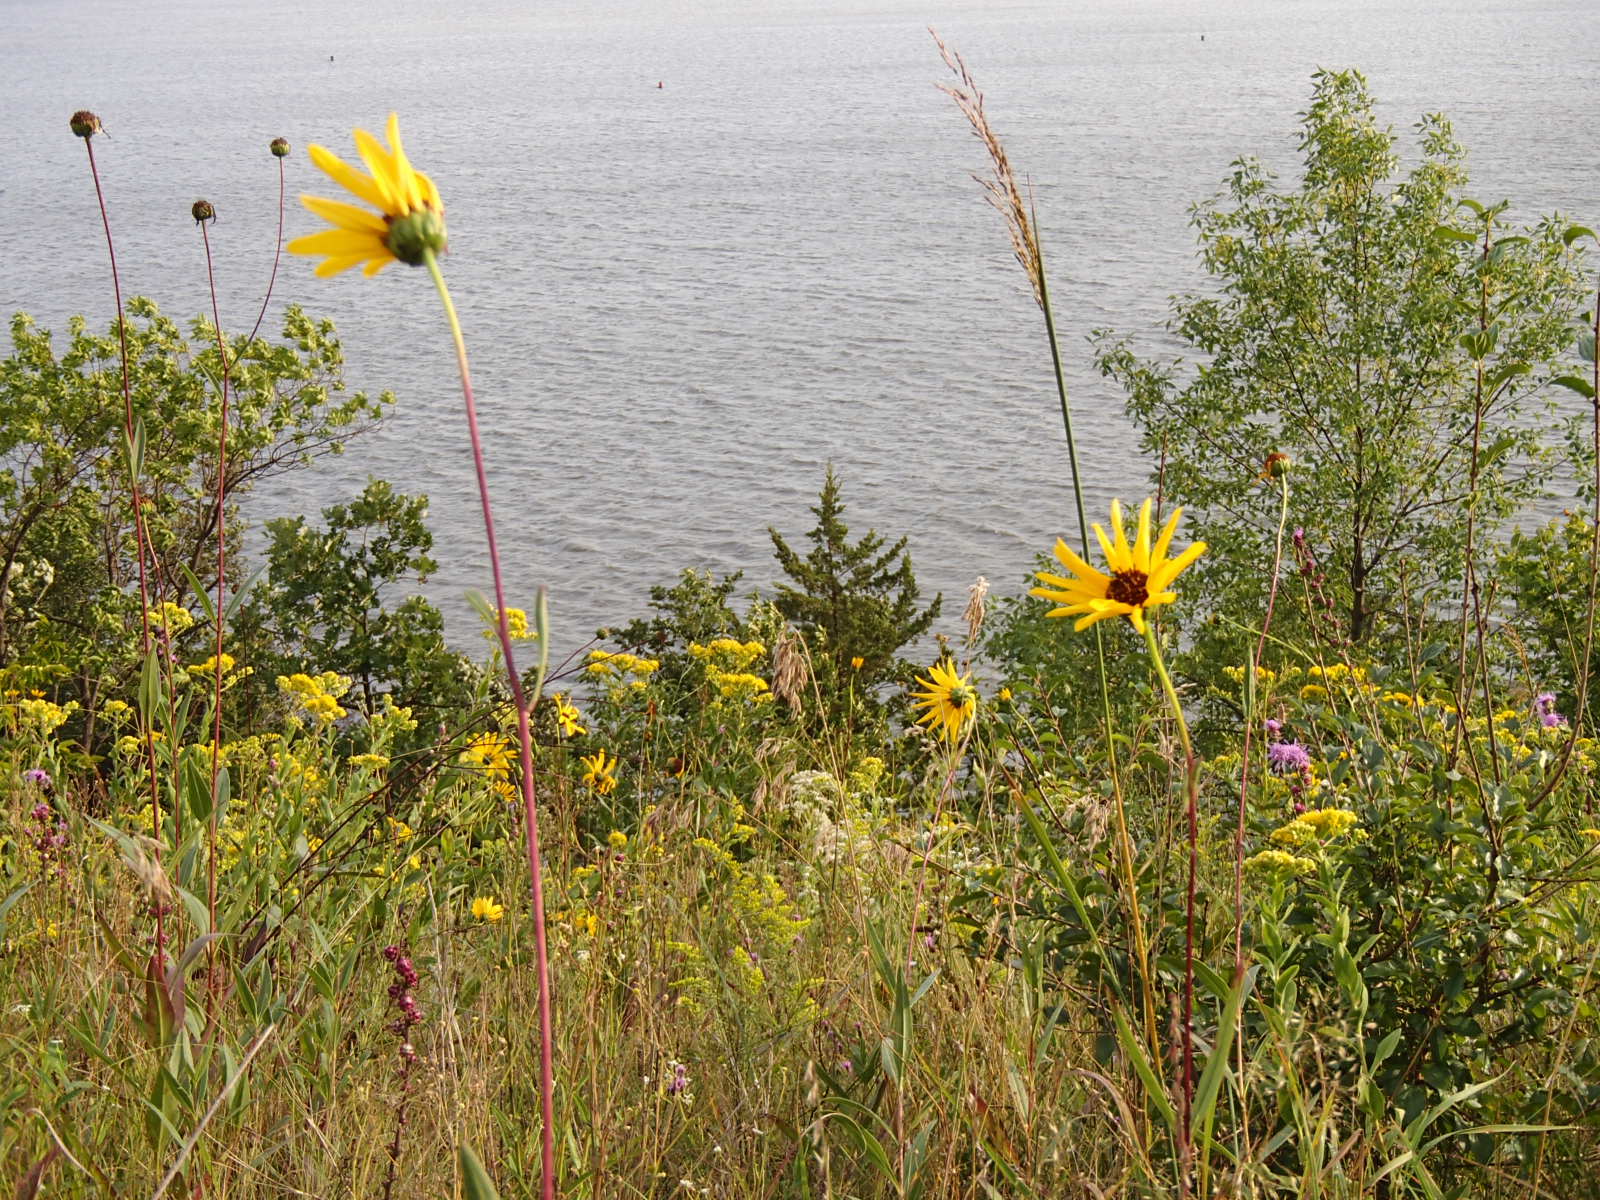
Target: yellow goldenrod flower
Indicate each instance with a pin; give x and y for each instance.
(1279, 861)
(409, 223)
(1329, 822)
(1139, 579)
(485, 909)
(601, 773)
(516, 628)
(949, 699)
(617, 840)
(171, 617)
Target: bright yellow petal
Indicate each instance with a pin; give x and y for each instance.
(1141, 545)
(346, 216)
(1165, 540)
(430, 193)
(1124, 558)
(1137, 617)
(338, 243)
(1168, 571)
(346, 176)
(1078, 566)
(1086, 621)
(404, 177)
(334, 266)
(1106, 548)
(381, 164)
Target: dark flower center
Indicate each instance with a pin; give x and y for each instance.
(1129, 587)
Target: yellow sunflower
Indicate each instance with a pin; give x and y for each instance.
(408, 225)
(601, 773)
(950, 700)
(1140, 574)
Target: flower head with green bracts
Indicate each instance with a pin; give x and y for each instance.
(407, 227)
(949, 700)
(1140, 574)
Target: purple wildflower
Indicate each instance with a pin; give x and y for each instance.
(679, 1083)
(1544, 707)
(38, 777)
(1274, 727)
(1288, 758)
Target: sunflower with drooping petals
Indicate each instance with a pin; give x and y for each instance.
(949, 700)
(407, 226)
(1140, 577)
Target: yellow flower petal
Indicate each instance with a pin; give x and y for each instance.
(345, 216)
(346, 176)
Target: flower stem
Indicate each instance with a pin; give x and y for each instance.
(1252, 667)
(222, 576)
(139, 538)
(1130, 880)
(277, 253)
(1192, 790)
(525, 746)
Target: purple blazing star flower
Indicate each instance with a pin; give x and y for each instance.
(1274, 727)
(38, 777)
(1287, 758)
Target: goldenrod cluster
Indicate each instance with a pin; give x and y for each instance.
(317, 695)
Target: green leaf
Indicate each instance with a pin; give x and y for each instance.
(1574, 232)
(475, 1181)
(1577, 384)
(480, 605)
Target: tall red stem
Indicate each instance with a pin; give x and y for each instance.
(222, 566)
(525, 746)
(138, 528)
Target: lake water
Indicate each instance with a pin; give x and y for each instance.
(682, 301)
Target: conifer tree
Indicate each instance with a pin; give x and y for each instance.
(861, 598)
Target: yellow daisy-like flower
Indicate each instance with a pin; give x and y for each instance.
(949, 699)
(568, 718)
(1140, 577)
(601, 772)
(484, 908)
(408, 225)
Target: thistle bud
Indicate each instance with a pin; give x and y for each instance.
(202, 211)
(84, 123)
(280, 147)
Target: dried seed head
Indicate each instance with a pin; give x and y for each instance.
(976, 595)
(202, 211)
(84, 123)
(280, 147)
(790, 674)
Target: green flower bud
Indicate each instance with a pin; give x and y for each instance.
(84, 123)
(202, 211)
(412, 236)
(280, 147)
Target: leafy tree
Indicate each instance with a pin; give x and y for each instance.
(323, 607)
(1389, 335)
(67, 542)
(861, 597)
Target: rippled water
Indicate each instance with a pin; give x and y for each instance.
(682, 301)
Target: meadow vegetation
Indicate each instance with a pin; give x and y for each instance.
(1279, 877)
